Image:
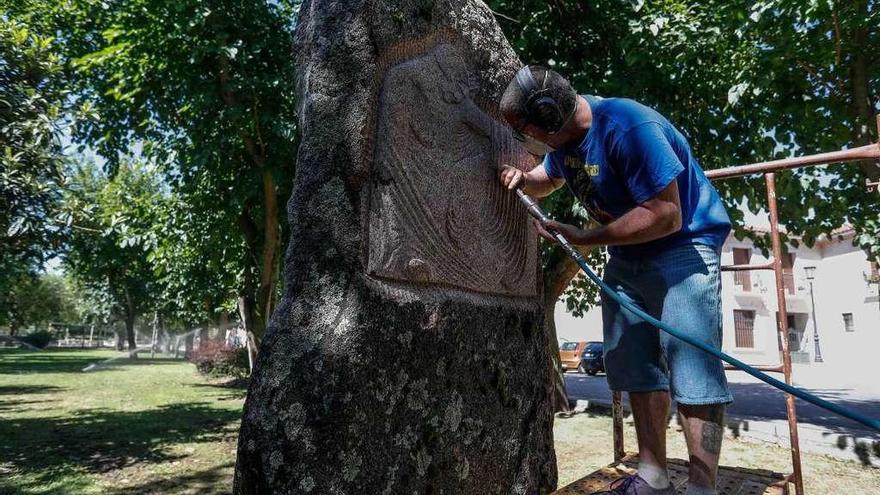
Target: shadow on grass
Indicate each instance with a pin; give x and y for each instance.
(100, 440)
(28, 389)
(203, 482)
(15, 361)
(47, 361)
(235, 388)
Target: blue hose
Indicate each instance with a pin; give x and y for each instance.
(539, 214)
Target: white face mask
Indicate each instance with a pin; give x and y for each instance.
(532, 145)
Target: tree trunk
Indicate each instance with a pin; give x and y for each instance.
(204, 335)
(406, 355)
(557, 275)
(271, 233)
(188, 346)
(222, 326)
(129, 333)
(862, 106)
(251, 317)
(246, 311)
(120, 339)
(264, 260)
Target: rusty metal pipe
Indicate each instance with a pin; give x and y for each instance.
(765, 368)
(744, 268)
(782, 324)
(867, 152)
(617, 425)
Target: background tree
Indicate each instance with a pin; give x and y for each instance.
(197, 258)
(207, 87)
(30, 154)
(108, 253)
(38, 301)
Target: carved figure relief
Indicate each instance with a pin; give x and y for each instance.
(437, 213)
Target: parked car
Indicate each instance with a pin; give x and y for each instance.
(592, 360)
(570, 355)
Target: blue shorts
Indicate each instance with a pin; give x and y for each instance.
(682, 287)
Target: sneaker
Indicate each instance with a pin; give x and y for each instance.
(633, 485)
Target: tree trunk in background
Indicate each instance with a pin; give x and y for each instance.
(271, 248)
(400, 363)
(188, 345)
(557, 275)
(129, 333)
(222, 326)
(263, 246)
(251, 318)
(862, 107)
(204, 335)
(120, 339)
(246, 313)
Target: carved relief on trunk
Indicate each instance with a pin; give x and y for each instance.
(437, 214)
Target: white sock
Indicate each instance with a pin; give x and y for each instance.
(700, 490)
(655, 475)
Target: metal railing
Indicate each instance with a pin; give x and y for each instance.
(769, 169)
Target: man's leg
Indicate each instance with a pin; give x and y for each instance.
(692, 304)
(651, 415)
(633, 363)
(703, 430)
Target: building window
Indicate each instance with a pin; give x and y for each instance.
(744, 326)
(848, 323)
(743, 279)
(788, 271)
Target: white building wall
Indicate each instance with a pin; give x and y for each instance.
(839, 287)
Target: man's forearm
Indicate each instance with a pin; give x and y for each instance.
(538, 185)
(637, 226)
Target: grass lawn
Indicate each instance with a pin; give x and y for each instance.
(584, 443)
(133, 426)
(156, 426)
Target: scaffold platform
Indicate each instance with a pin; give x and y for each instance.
(731, 481)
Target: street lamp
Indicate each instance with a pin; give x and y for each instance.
(810, 272)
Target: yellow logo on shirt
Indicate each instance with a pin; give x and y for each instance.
(592, 169)
(573, 162)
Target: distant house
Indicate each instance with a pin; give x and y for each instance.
(844, 288)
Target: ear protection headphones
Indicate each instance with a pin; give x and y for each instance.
(543, 110)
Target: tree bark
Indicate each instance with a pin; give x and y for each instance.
(861, 104)
(129, 333)
(246, 311)
(254, 323)
(271, 233)
(188, 345)
(435, 378)
(120, 339)
(557, 275)
(204, 335)
(130, 317)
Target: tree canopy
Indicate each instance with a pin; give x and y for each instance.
(31, 165)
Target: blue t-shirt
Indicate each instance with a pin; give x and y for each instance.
(628, 156)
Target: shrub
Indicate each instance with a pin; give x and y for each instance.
(215, 359)
(40, 338)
